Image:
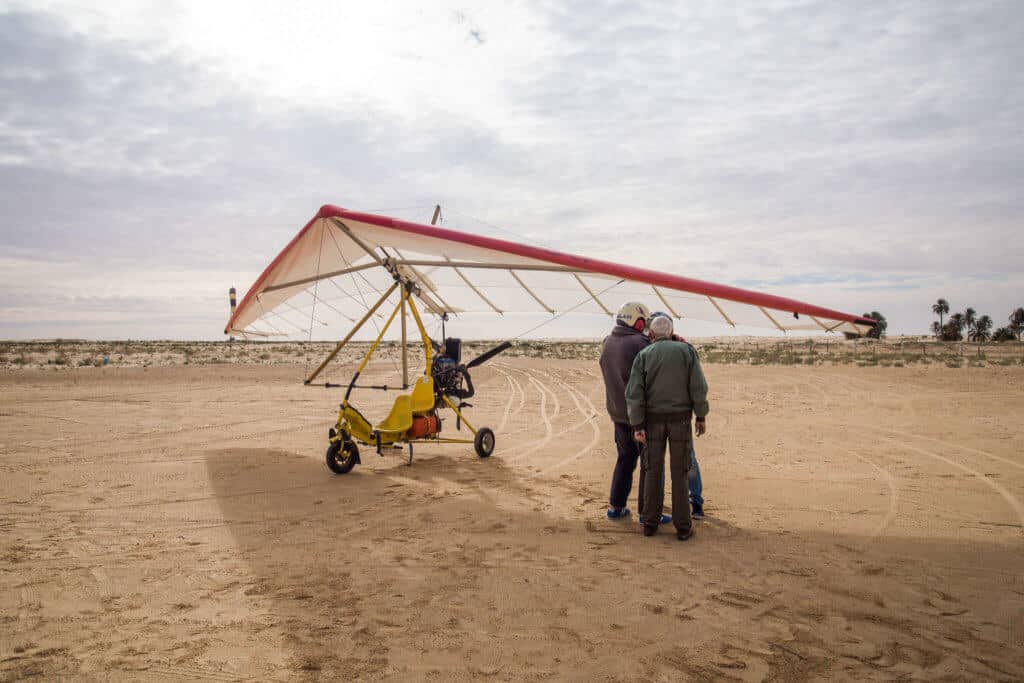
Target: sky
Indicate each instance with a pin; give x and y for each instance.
(859, 156)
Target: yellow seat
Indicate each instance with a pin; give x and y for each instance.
(399, 420)
(423, 395)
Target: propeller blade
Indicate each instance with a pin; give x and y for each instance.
(487, 355)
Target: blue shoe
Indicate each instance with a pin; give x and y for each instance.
(618, 513)
(665, 519)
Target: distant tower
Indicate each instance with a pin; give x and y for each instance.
(231, 297)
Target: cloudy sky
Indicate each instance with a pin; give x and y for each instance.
(861, 156)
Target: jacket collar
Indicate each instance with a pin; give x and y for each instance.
(622, 330)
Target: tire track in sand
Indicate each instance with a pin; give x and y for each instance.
(894, 495)
(511, 397)
(591, 420)
(546, 418)
(1010, 499)
(969, 449)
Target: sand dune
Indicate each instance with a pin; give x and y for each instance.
(179, 523)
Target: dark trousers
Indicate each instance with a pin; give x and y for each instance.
(625, 465)
(676, 434)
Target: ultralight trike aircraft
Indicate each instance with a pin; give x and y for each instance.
(341, 260)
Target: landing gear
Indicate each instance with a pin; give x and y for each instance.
(484, 442)
(342, 456)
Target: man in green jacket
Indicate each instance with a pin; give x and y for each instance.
(666, 388)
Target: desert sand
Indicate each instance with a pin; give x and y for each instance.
(180, 523)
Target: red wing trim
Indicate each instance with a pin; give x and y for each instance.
(650, 277)
(257, 286)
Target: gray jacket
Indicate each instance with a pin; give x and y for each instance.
(618, 352)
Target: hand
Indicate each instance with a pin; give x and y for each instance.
(641, 436)
(701, 427)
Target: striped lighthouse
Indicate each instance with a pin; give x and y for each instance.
(231, 297)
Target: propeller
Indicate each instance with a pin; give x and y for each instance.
(487, 355)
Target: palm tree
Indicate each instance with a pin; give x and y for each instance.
(1004, 334)
(982, 330)
(970, 317)
(878, 331)
(1017, 322)
(953, 331)
(940, 308)
(936, 329)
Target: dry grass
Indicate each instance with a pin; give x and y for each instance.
(897, 352)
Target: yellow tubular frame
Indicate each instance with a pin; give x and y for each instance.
(428, 353)
(428, 349)
(366, 360)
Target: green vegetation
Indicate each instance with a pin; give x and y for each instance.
(969, 325)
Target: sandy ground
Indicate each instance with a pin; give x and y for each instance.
(180, 523)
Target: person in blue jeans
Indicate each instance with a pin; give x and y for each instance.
(696, 487)
(618, 350)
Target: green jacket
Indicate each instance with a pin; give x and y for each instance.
(666, 381)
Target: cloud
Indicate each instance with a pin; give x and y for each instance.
(860, 155)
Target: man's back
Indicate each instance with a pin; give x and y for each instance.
(618, 352)
(666, 380)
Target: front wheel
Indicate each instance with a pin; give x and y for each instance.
(342, 456)
(484, 442)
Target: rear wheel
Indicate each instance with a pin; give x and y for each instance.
(484, 442)
(342, 456)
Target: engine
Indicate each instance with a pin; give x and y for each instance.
(451, 378)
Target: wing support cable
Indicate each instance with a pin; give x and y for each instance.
(591, 293)
(530, 292)
(566, 311)
(312, 318)
(722, 313)
(351, 333)
(348, 295)
(661, 296)
(274, 314)
(327, 303)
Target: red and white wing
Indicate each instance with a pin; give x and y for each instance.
(341, 262)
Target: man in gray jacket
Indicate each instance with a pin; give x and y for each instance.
(666, 388)
(617, 354)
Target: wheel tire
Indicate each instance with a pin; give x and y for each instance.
(484, 442)
(341, 457)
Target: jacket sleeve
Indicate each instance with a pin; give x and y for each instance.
(698, 388)
(636, 402)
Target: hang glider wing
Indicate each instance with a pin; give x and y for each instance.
(342, 261)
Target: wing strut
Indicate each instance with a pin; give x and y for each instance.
(591, 293)
(475, 290)
(345, 229)
(774, 321)
(665, 301)
(530, 292)
(722, 313)
(325, 276)
(820, 324)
